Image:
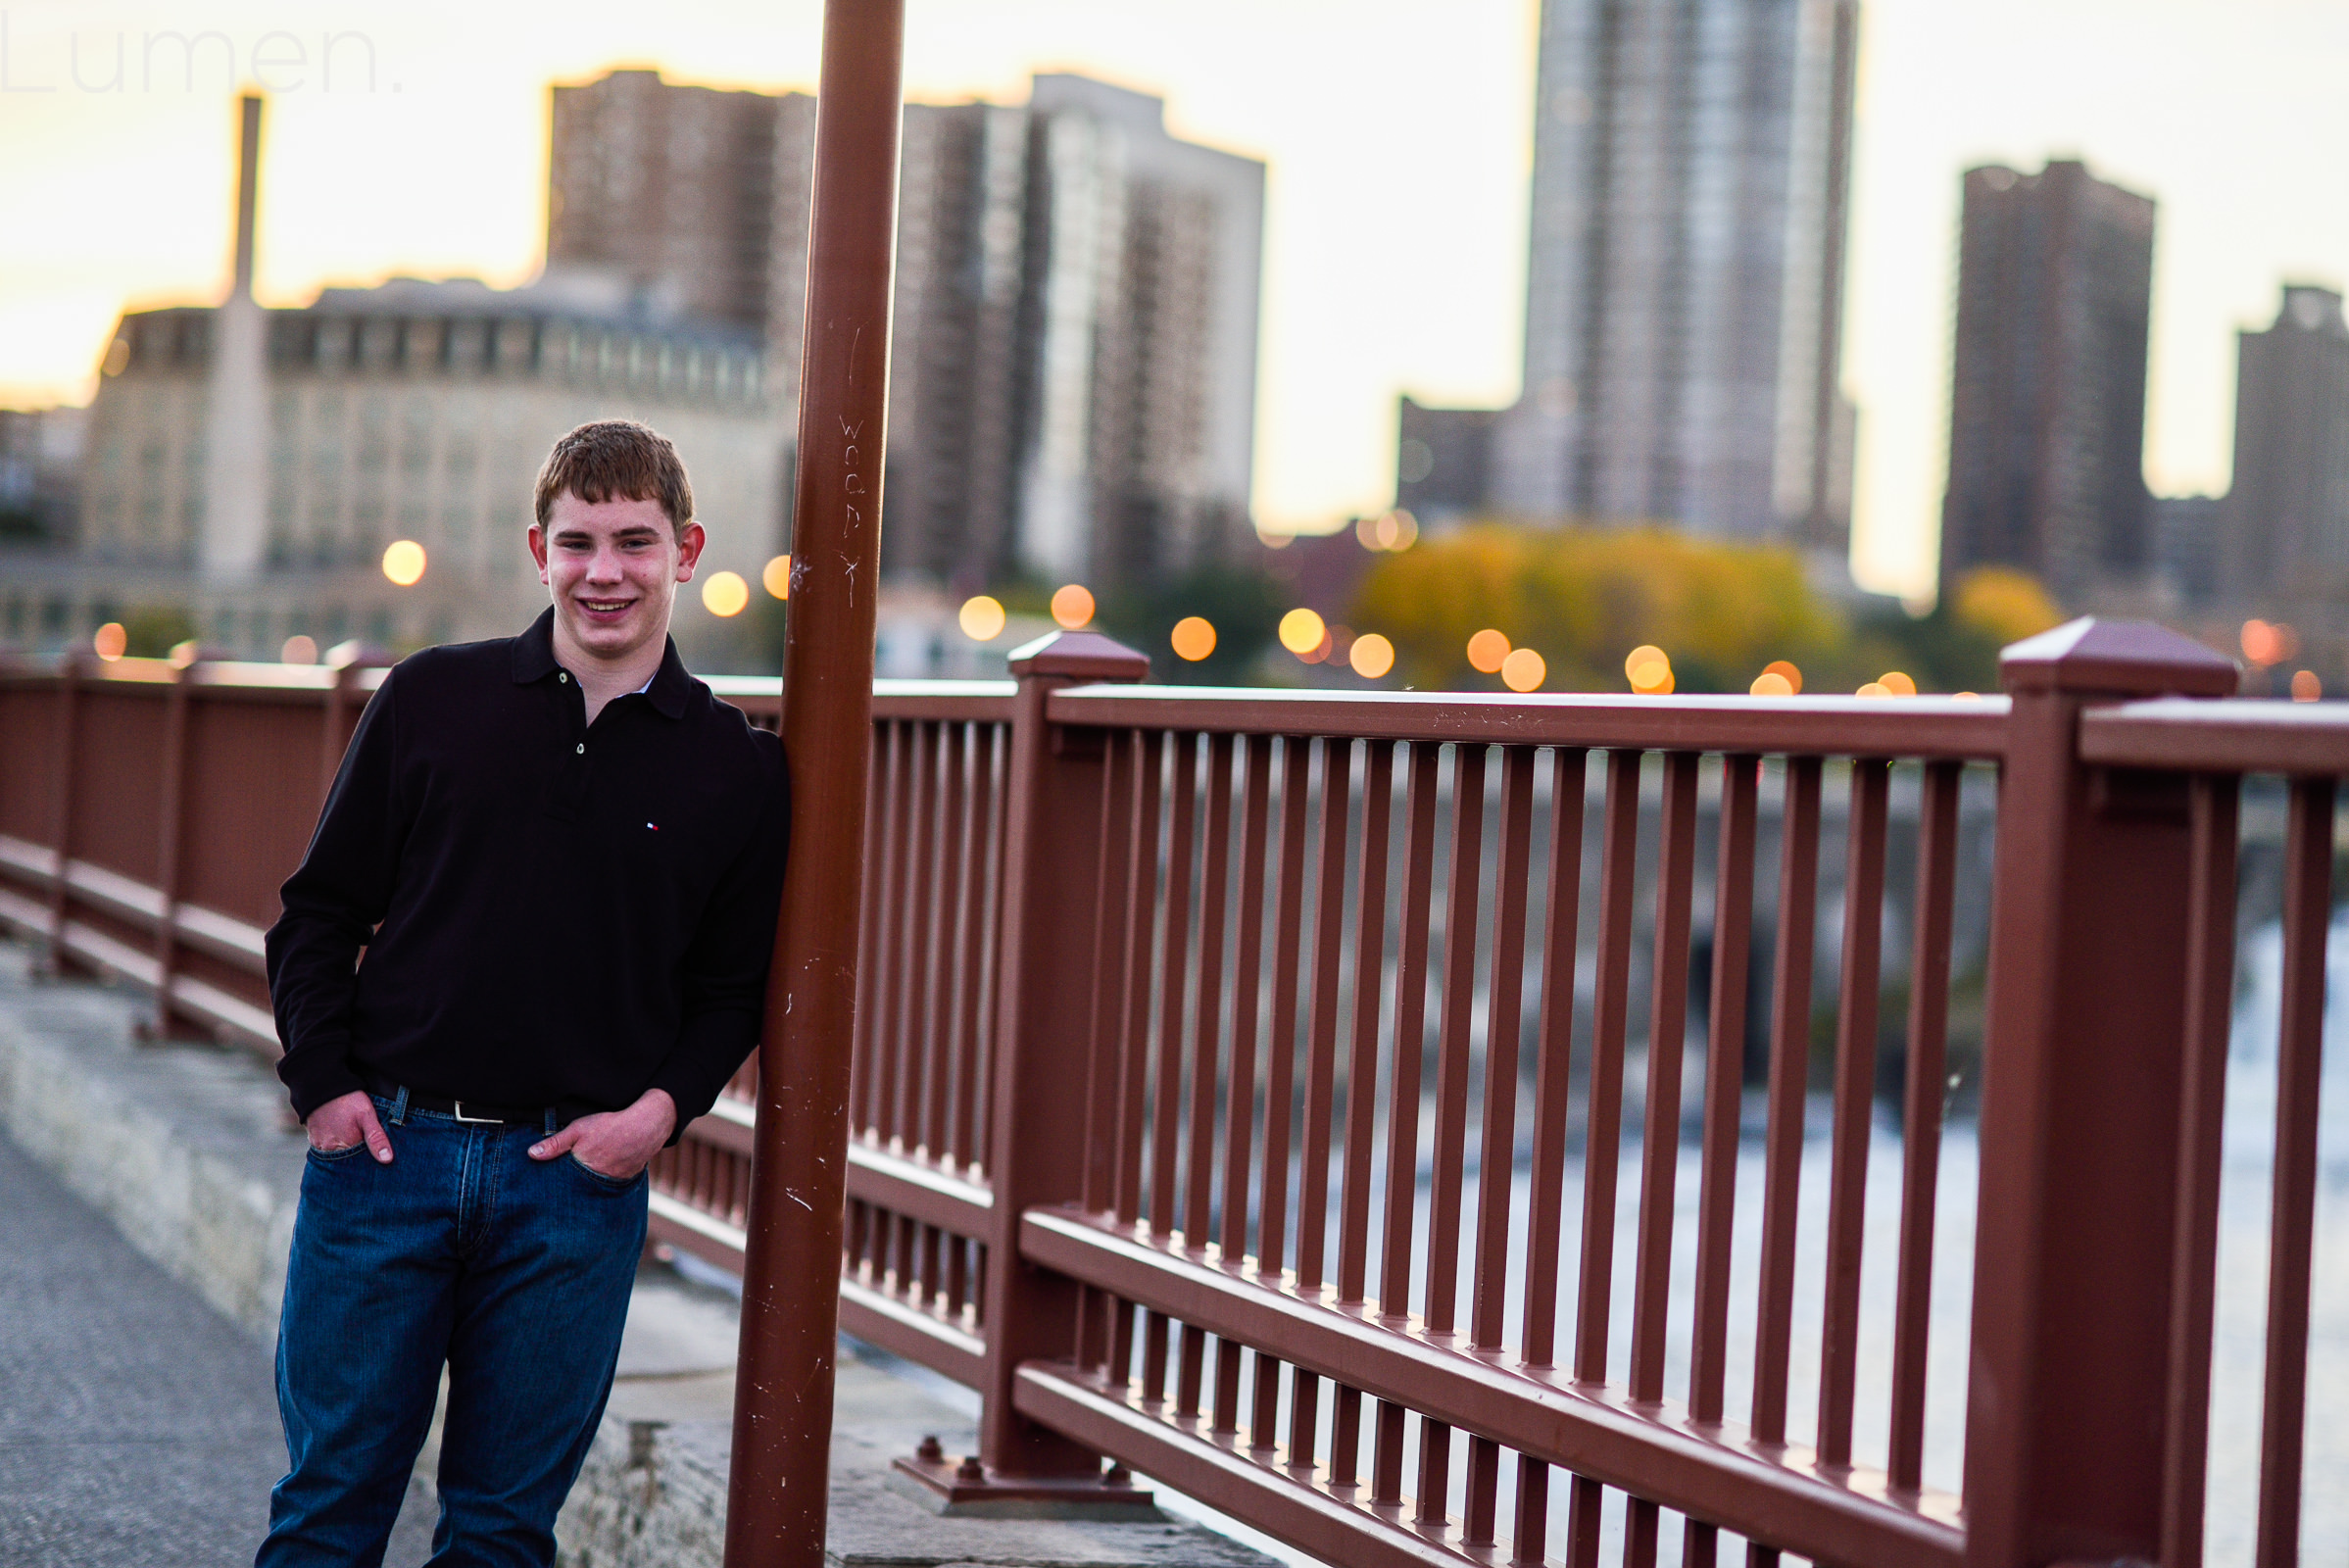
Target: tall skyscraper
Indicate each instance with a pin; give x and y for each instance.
(669, 188)
(2047, 397)
(1073, 367)
(1684, 281)
(2286, 521)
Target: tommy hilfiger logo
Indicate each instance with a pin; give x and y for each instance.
(655, 827)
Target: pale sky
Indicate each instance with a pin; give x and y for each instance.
(1398, 143)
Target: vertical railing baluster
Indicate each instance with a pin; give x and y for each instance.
(1724, 1106)
(1496, 1148)
(2291, 1240)
(1206, 1054)
(2202, 1131)
(1545, 1198)
(1321, 1049)
(1659, 1155)
(862, 1068)
(1921, 1125)
(938, 1051)
(1166, 1099)
(1240, 1093)
(1789, 1071)
(1454, 1049)
(1149, 753)
(917, 1020)
(1396, 1240)
(1855, 1108)
(1602, 1138)
(1112, 909)
(1281, 1066)
(889, 1022)
(1361, 1085)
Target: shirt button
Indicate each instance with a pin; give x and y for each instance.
(565, 677)
(581, 748)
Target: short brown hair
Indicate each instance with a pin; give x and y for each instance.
(616, 459)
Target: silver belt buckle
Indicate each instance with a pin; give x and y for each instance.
(479, 1121)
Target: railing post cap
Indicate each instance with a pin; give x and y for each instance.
(1080, 655)
(2124, 657)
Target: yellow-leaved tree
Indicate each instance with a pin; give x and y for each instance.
(1583, 597)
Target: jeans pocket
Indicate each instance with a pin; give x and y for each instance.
(335, 1157)
(610, 1184)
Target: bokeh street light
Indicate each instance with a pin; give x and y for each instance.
(775, 577)
(299, 650)
(1897, 683)
(1371, 656)
(981, 618)
(724, 593)
(1784, 669)
(1193, 638)
(1649, 670)
(1390, 530)
(1769, 683)
(1524, 670)
(1488, 650)
(2305, 687)
(404, 563)
(1302, 632)
(1072, 605)
(109, 641)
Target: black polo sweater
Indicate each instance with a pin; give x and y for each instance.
(553, 913)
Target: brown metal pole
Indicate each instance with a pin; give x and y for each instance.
(790, 1312)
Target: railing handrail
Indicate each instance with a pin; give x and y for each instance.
(1926, 728)
(2241, 735)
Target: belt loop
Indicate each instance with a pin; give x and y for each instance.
(552, 1129)
(400, 1108)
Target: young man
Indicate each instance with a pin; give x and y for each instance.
(562, 857)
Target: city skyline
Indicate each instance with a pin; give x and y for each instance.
(1400, 158)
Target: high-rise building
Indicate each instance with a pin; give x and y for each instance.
(669, 188)
(1684, 278)
(2286, 520)
(1072, 380)
(2047, 396)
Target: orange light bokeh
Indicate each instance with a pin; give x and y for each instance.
(1193, 638)
(1524, 670)
(1072, 605)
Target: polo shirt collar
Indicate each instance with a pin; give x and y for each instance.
(534, 661)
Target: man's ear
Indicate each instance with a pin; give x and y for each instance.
(689, 549)
(538, 550)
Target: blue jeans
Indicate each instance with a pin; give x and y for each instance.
(464, 1249)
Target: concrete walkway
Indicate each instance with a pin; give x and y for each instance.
(138, 1425)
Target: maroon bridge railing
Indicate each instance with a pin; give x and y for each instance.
(1334, 1105)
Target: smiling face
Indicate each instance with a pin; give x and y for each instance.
(612, 568)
